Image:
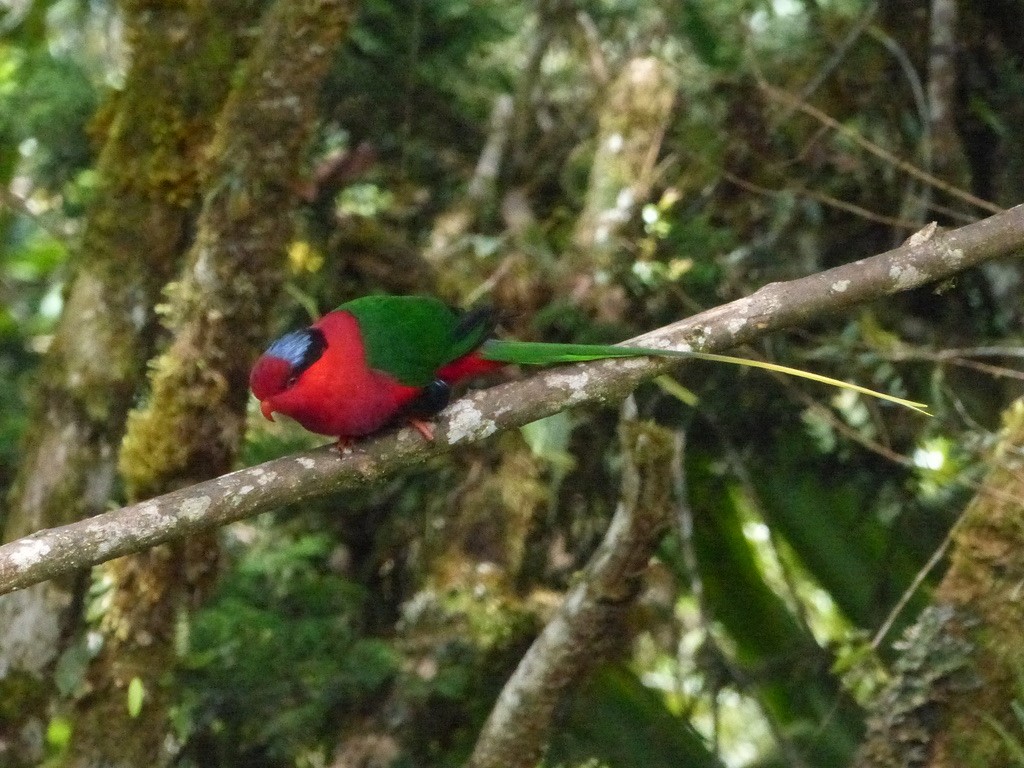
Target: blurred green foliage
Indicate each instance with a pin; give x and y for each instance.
(404, 80)
(277, 653)
(46, 102)
(45, 106)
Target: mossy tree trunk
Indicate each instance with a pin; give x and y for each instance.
(952, 698)
(193, 421)
(633, 121)
(148, 171)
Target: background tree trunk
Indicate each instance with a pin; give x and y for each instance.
(192, 424)
(957, 682)
(149, 174)
(633, 120)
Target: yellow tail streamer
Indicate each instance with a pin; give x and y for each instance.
(919, 407)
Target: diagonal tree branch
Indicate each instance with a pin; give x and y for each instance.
(320, 472)
(590, 620)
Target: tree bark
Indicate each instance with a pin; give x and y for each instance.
(465, 595)
(946, 150)
(633, 121)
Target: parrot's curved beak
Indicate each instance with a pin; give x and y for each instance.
(267, 408)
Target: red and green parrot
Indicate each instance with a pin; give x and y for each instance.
(380, 360)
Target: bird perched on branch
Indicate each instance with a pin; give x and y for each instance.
(381, 360)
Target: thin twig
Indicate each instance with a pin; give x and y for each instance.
(836, 58)
(912, 353)
(916, 88)
(842, 427)
(911, 590)
(821, 197)
(20, 206)
(998, 371)
(786, 98)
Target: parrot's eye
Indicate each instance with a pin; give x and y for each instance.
(291, 380)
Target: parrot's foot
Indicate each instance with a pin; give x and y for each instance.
(425, 428)
(344, 445)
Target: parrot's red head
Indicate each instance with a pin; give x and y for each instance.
(280, 367)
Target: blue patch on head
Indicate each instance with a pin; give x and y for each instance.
(300, 349)
(291, 347)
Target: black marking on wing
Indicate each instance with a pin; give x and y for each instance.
(433, 399)
(477, 323)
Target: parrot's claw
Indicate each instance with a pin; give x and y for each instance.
(344, 445)
(425, 428)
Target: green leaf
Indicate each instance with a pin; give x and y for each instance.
(1012, 743)
(369, 663)
(677, 390)
(58, 734)
(822, 508)
(763, 630)
(136, 695)
(621, 722)
(548, 439)
(711, 47)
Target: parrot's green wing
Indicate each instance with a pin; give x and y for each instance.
(411, 337)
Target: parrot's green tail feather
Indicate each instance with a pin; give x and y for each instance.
(541, 353)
